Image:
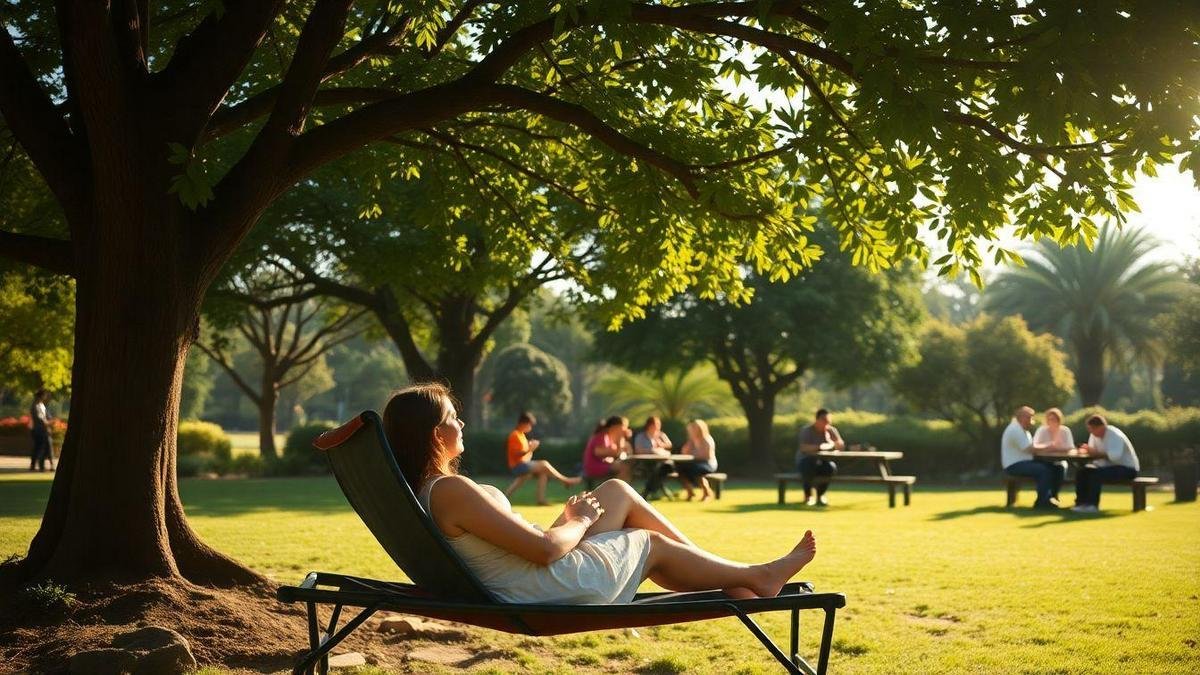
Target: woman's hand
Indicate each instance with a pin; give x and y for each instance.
(583, 506)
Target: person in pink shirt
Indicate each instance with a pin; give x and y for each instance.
(602, 456)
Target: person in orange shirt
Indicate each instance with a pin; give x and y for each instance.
(522, 464)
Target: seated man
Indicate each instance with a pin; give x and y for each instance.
(522, 465)
(652, 440)
(1116, 461)
(1016, 456)
(820, 435)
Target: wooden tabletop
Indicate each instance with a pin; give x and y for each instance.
(651, 457)
(861, 454)
(1073, 456)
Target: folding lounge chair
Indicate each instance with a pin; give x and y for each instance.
(445, 589)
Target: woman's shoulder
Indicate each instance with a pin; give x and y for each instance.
(452, 483)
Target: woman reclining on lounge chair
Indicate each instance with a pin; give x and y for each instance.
(598, 551)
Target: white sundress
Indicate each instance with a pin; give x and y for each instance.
(602, 569)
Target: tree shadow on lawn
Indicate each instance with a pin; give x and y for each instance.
(206, 497)
(1045, 517)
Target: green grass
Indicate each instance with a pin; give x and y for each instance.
(954, 583)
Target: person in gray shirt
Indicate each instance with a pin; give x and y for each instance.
(818, 436)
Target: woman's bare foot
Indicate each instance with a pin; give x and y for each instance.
(705, 497)
(777, 572)
(572, 482)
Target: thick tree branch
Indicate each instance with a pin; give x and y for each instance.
(208, 61)
(40, 128)
(49, 254)
(232, 118)
(129, 24)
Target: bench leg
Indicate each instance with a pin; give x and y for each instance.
(1139, 498)
(782, 490)
(907, 494)
(891, 496)
(716, 486)
(1011, 488)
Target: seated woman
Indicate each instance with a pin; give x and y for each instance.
(700, 444)
(602, 456)
(1053, 435)
(598, 551)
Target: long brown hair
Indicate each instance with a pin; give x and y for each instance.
(409, 421)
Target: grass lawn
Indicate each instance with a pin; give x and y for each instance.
(952, 584)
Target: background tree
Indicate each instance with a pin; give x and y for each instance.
(1101, 301)
(853, 325)
(199, 379)
(288, 334)
(36, 322)
(527, 378)
(674, 395)
(976, 375)
(1180, 329)
(164, 136)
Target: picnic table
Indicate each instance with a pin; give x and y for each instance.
(647, 463)
(882, 461)
(1077, 457)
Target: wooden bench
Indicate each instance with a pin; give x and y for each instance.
(1012, 484)
(892, 482)
(716, 480)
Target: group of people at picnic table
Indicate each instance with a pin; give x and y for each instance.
(608, 455)
(1109, 452)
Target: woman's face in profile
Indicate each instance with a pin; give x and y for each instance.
(449, 432)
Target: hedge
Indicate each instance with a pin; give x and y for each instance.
(195, 438)
(299, 455)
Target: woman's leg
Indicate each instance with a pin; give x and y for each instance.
(679, 567)
(625, 508)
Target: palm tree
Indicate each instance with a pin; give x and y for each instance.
(1100, 302)
(677, 395)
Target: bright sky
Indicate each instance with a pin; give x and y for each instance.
(1170, 211)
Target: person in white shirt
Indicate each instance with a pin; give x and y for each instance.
(1116, 461)
(1016, 456)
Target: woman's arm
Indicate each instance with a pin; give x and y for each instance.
(460, 505)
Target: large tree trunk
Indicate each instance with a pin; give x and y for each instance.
(114, 509)
(760, 418)
(267, 401)
(1089, 371)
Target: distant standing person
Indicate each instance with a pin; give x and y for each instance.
(1016, 456)
(700, 444)
(602, 455)
(652, 441)
(1116, 460)
(39, 421)
(818, 436)
(521, 462)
